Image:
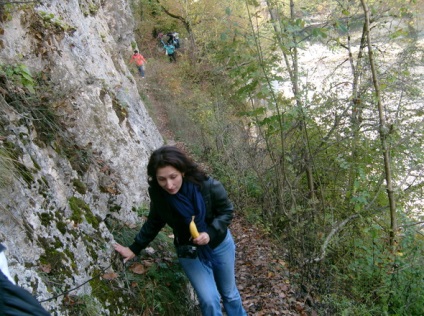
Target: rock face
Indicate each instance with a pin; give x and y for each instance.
(78, 138)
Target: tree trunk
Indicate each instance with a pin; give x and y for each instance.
(383, 131)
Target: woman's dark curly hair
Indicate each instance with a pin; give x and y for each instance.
(174, 157)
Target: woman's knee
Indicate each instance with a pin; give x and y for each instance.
(230, 294)
(210, 302)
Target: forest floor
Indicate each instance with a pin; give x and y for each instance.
(262, 276)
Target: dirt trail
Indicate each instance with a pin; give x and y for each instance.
(262, 277)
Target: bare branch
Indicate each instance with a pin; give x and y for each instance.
(334, 231)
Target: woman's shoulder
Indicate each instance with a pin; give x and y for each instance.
(212, 184)
(208, 181)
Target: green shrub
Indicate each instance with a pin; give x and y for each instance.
(20, 75)
(6, 168)
(377, 281)
(163, 282)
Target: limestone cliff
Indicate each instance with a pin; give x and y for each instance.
(77, 137)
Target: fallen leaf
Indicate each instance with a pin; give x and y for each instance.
(47, 268)
(110, 276)
(137, 268)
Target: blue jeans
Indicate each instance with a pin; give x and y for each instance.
(215, 280)
(141, 70)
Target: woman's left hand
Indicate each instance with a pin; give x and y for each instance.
(202, 240)
(124, 251)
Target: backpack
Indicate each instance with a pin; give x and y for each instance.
(176, 43)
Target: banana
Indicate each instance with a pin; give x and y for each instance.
(193, 229)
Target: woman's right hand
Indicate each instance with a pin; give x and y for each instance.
(124, 251)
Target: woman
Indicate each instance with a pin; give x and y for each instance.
(179, 190)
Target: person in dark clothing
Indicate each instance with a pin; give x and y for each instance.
(170, 38)
(173, 39)
(180, 193)
(14, 300)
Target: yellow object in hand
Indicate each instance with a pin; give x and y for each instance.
(193, 229)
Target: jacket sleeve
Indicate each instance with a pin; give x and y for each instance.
(222, 209)
(148, 231)
(15, 300)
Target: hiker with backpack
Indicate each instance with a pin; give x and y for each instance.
(170, 51)
(173, 39)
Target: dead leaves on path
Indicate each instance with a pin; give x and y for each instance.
(262, 275)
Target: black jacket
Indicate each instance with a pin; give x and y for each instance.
(15, 301)
(219, 213)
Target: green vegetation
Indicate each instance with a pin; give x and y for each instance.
(79, 186)
(89, 7)
(84, 305)
(32, 96)
(51, 21)
(7, 172)
(161, 278)
(11, 155)
(53, 262)
(142, 211)
(120, 110)
(20, 88)
(332, 171)
(81, 210)
(19, 75)
(312, 165)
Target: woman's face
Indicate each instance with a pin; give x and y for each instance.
(170, 179)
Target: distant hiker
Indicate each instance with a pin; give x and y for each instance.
(14, 300)
(170, 38)
(173, 39)
(176, 41)
(139, 60)
(170, 51)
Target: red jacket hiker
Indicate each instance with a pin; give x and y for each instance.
(139, 60)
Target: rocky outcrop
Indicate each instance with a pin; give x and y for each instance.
(76, 137)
